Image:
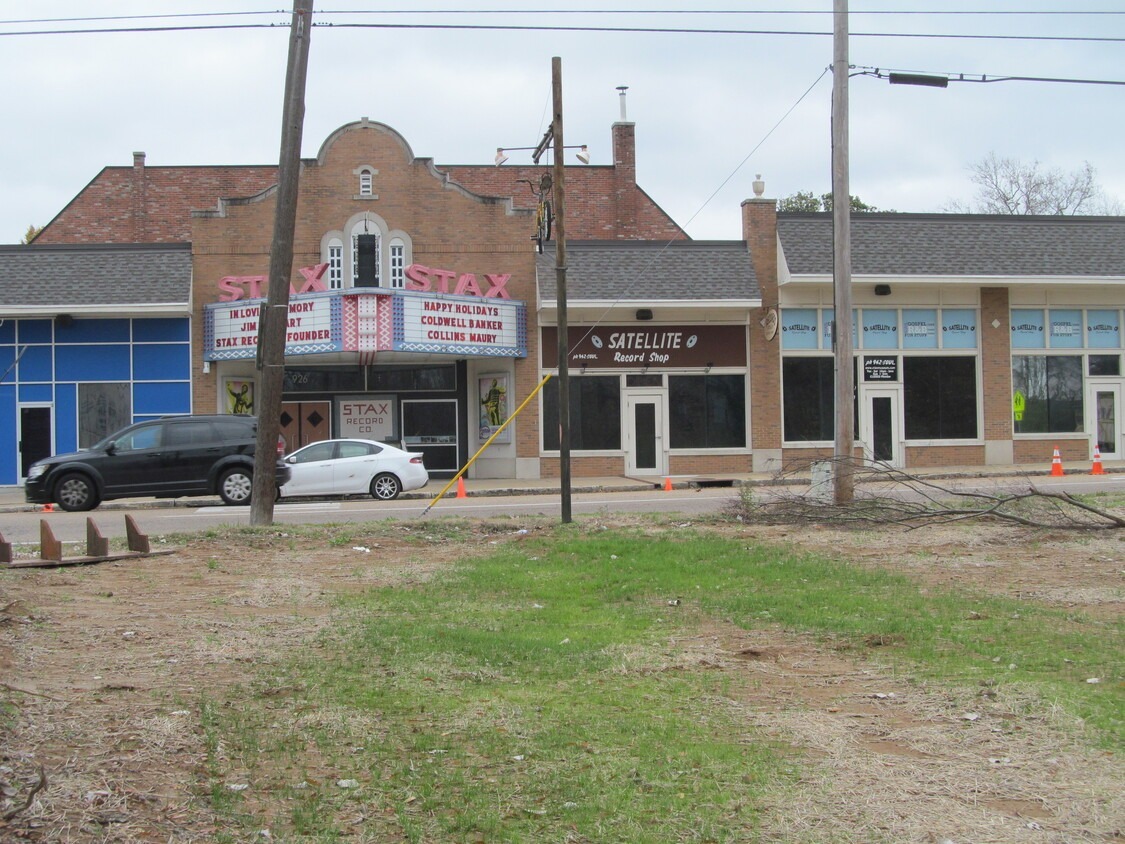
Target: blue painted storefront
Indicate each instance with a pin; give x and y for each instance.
(43, 362)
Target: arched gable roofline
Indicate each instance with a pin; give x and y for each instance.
(442, 176)
(226, 202)
(363, 123)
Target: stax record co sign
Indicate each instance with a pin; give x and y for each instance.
(664, 346)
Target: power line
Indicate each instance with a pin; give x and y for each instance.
(630, 30)
(587, 12)
(943, 77)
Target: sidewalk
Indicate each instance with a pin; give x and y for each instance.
(12, 497)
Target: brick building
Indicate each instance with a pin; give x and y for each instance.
(422, 312)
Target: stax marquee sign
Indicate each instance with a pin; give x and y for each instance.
(419, 278)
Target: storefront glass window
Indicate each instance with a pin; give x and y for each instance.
(808, 386)
(322, 380)
(403, 379)
(1105, 365)
(919, 328)
(1103, 329)
(102, 409)
(595, 414)
(798, 328)
(940, 398)
(1051, 386)
(880, 328)
(707, 411)
(958, 328)
(1027, 330)
(1066, 329)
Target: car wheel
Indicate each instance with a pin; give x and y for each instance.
(235, 486)
(75, 492)
(385, 487)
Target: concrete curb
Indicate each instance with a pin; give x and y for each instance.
(625, 485)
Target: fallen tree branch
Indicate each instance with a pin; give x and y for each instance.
(885, 495)
(35, 789)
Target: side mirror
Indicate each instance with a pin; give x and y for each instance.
(111, 448)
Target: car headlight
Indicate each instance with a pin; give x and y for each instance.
(35, 471)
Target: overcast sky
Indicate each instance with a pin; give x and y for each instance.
(711, 109)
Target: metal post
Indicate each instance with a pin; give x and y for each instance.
(560, 273)
(842, 261)
(273, 319)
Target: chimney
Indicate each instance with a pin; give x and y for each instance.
(140, 230)
(625, 174)
(759, 230)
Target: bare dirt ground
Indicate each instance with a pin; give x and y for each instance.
(101, 667)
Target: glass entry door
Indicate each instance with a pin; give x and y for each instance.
(36, 425)
(431, 428)
(880, 423)
(644, 440)
(1105, 407)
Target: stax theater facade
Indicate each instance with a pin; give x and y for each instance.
(421, 313)
(407, 319)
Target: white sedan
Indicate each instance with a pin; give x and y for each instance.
(353, 467)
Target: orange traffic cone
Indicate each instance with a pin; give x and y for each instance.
(1097, 469)
(461, 488)
(667, 484)
(48, 507)
(1056, 464)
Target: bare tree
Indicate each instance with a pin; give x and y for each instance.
(1011, 186)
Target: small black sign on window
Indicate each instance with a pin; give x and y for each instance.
(880, 369)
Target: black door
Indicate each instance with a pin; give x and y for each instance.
(137, 465)
(189, 448)
(35, 436)
(882, 429)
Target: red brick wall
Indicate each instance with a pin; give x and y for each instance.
(584, 467)
(759, 229)
(996, 363)
(1042, 450)
(933, 457)
(149, 204)
(710, 464)
(449, 230)
(592, 200)
(142, 204)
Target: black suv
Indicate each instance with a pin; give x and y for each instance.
(162, 458)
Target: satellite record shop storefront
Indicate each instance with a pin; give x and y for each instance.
(657, 400)
(336, 386)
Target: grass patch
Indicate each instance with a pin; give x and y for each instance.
(528, 695)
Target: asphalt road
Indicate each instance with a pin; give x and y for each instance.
(22, 529)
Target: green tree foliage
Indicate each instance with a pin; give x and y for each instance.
(806, 201)
(32, 233)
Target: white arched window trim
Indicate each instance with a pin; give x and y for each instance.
(395, 250)
(365, 182)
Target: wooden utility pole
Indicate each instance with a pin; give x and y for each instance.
(273, 319)
(560, 284)
(844, 481)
